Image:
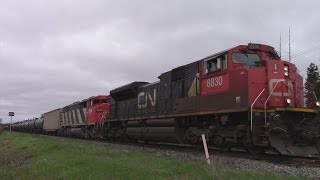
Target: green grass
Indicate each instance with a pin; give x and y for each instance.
(29, 156)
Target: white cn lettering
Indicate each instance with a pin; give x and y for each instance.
(147, 96)
(153, 101)
(141, 95)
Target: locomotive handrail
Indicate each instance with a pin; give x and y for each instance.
(265, 103)
(253, 104)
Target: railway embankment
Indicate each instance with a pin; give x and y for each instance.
(32, 156)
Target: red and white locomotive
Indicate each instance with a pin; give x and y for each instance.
(245, 96)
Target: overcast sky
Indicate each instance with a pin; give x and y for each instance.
(53, 53)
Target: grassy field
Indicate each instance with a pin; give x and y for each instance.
(29, 156)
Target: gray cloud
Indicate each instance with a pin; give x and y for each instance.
(53, 53)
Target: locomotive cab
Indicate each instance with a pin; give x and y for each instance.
(252, 81)
(251, 69)
(98, 109)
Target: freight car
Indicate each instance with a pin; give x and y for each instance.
(31, 125)
(52, 121)
(245, 96)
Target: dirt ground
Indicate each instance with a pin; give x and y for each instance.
(14, 158)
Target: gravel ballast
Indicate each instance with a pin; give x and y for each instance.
(239, 163)
(222, 160)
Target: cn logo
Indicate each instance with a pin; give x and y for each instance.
(275, 83)
(144, 97)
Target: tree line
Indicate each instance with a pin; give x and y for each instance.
(312, 86)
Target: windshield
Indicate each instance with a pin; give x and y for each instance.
(96, 101)
(245, 58)
(104, 101)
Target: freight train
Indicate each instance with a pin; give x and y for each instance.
(245, 96)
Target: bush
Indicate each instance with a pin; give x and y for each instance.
(1, 130)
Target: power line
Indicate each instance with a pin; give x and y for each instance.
(307, 51)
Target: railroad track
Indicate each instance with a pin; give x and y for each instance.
(269, 157)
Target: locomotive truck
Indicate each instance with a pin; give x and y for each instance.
(245, 96)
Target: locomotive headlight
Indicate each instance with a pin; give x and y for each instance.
(288, 101)
(286, 71)
(318, 103)
(286, 74)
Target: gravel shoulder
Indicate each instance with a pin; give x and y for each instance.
(220, 160)
(239, 163)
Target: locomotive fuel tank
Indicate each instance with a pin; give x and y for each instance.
(162, 134)
(152, 130)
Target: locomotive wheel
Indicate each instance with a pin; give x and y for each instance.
(86, 135)
(192, 139)
(221, 143)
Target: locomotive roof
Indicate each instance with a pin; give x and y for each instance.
(51, 111)
(134, 84)
(215, 55)
(146, 85)
(126, 91)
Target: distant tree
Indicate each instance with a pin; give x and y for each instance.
(312, 86)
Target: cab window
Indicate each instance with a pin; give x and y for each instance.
(95, 101)
(215, 64)
(246, 58)
(104, 101)
(272, 56)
